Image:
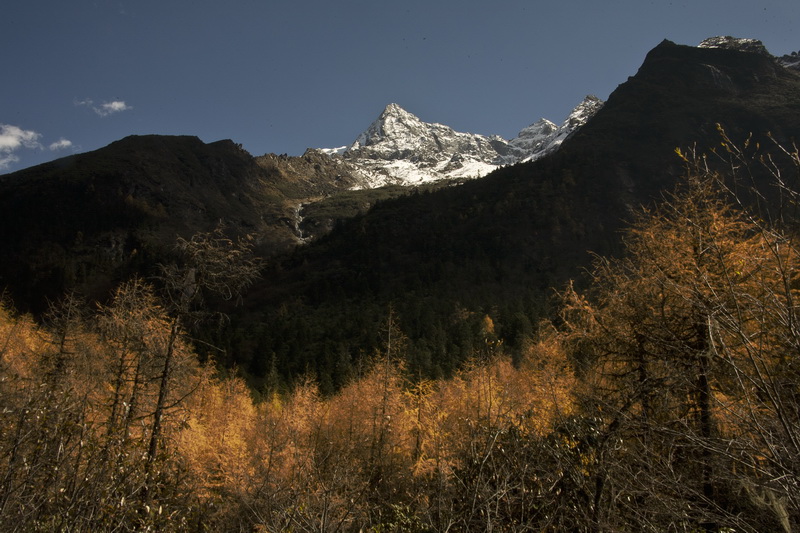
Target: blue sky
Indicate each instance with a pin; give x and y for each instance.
(282, 76)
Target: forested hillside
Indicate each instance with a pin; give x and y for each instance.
(86, 222)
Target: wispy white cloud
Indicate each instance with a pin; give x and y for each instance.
(106, 108)
(114, 107)
(61, 144)
(6, 160)
(12, 138)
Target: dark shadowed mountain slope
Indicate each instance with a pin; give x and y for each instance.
(87, 221)
(676, 99)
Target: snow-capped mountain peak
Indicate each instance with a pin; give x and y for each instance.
(583, 112)
(531, 140)
(579, 116)
(393, 122)
(398, 147)
(538, 128)
(544, 137)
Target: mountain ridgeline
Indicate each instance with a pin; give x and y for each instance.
(343, 257)
(399, 148)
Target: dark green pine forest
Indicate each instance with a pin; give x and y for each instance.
(604, 339)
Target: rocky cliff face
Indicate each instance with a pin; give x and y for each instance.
(790, 61)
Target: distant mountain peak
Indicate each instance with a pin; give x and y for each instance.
(584, 111)
(393, 123)
(399, 148)
(395, 110)
(544, 137)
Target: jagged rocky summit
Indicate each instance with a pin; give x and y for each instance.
(544, 137)
(399, 148)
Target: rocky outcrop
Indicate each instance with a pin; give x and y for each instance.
(791, 61)
(734, 43)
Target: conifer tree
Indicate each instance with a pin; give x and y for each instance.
(675, 343)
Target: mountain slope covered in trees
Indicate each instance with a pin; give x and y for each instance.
(89, 221)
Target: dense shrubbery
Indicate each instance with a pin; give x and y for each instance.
(80, 407)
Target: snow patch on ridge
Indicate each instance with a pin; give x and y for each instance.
(332, 151)
(735, 43)
(789, 61)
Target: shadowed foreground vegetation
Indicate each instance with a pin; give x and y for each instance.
(665, 398)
